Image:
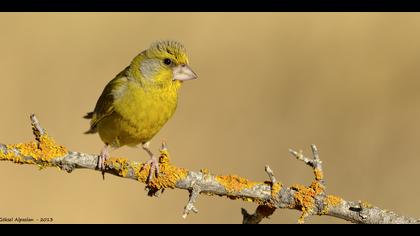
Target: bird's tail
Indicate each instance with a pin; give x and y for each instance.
(88, 115)
(92, 129)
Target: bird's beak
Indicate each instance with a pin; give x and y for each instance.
(183, 72)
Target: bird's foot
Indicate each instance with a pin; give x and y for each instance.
(103, 157)
(154, 168)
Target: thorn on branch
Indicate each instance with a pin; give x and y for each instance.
(194, 192)
(36, 127)
(270, 174)
(275, 186)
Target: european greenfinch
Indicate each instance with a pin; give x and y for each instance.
(137, 103)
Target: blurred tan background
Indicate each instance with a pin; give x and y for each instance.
(348, 82)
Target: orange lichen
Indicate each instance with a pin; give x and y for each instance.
(319, 175)
(275, 189)
(245, 199)
(317, 187)
(122, 165)
(11, 156)
(205, 171)
(330, 201)
(169, 175)
(234, 183)
(366, 204)
(42, 151)
(305, 198)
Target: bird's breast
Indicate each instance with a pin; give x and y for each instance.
(144, 111)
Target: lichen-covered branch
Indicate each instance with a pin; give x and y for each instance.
(269, 195)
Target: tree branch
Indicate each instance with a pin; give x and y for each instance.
(269, 195)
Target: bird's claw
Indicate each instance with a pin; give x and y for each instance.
(154, 168)
(102, 158)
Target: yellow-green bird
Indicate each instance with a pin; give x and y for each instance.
(136, 104)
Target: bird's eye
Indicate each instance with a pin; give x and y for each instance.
(167, 61)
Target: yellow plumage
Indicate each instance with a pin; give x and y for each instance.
(136, 104)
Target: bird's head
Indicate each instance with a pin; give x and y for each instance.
(163, 62)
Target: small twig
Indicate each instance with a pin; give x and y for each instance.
(275, 187)
(36, 127)
(299, 155)
(315, 152)
(194, 192)
(270, 175)
(315, 162)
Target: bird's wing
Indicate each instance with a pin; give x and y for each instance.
(105, 104)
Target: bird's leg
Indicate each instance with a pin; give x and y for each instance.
(153, 162)
(103, 157)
